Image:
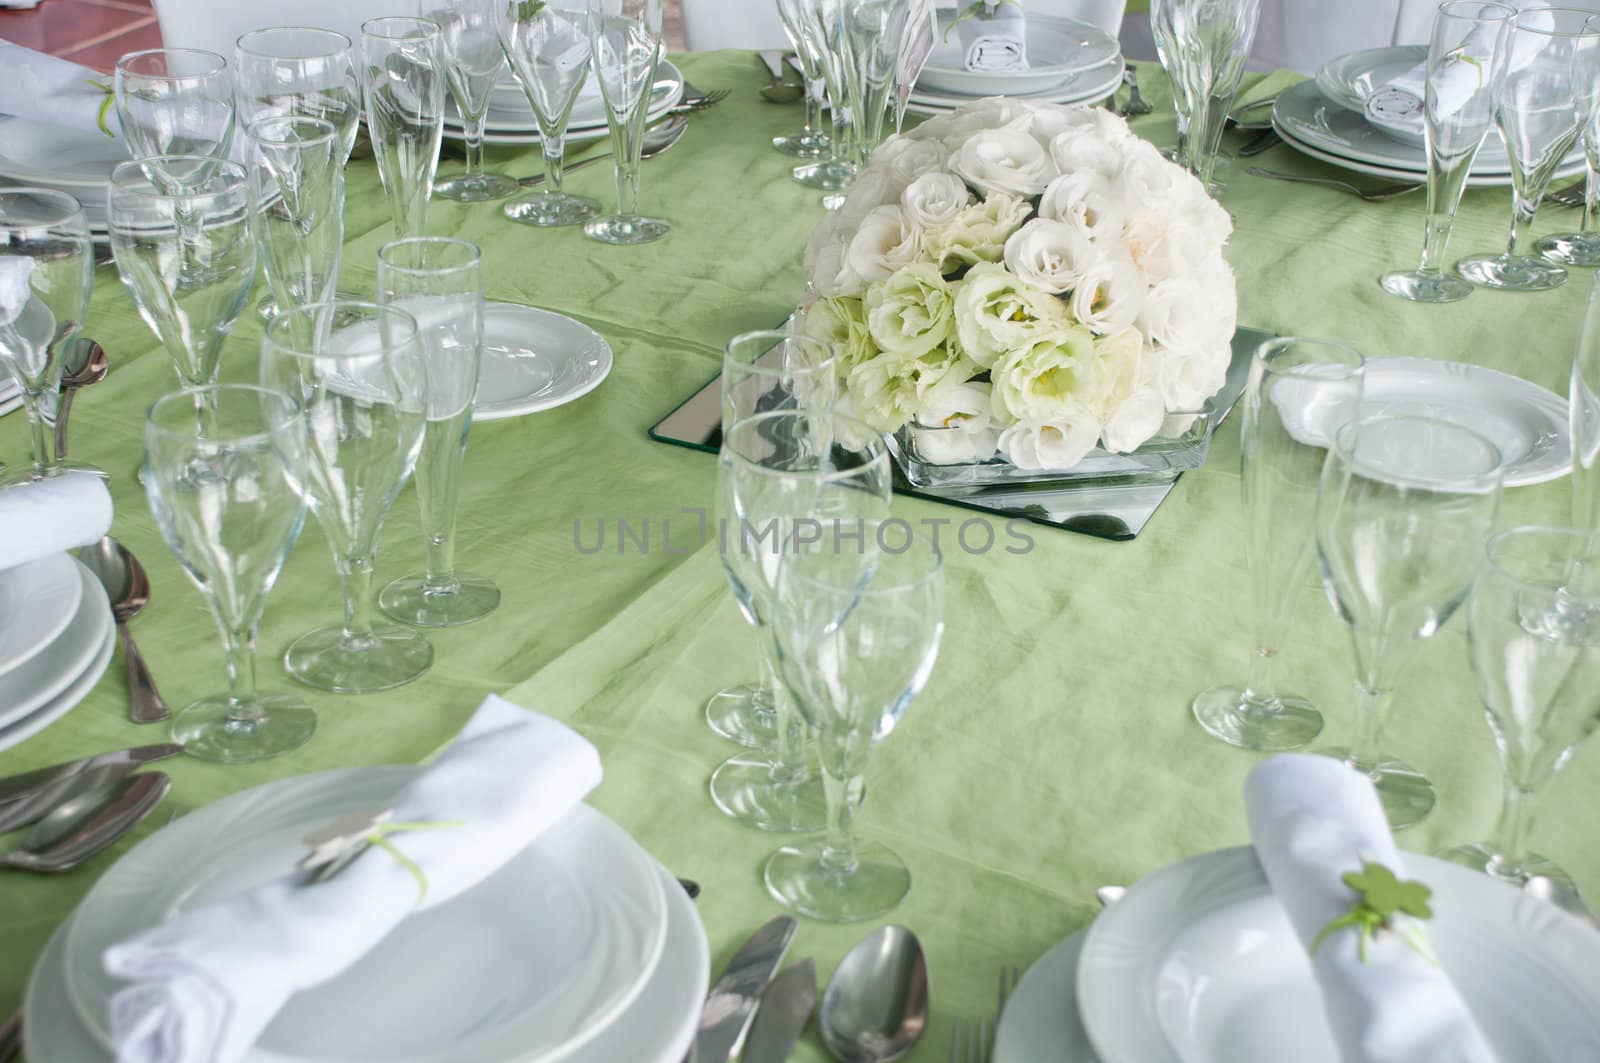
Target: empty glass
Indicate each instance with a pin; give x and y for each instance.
(175, 103)
(298, 70)
(440, 283)
(1583, 411)
(857, 633)
(473, 60)
(226, 488)
(1582, 248)
(1457, 111)
(818, 23)
(1533, 627)
(812, 142)
(547, 45)
(358, 371)
(781, 486)
(764, 372)
(298, 206)
(188, 259)
(626, 35)
(1204, 45)
(46, 271)
(402, 82)
(873, 34)
(1299, 393)
(1405, 506)
(1544, 89)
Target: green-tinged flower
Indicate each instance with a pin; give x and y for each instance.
(890, 390)
(1045, 378)
(842, 324)
(977, 234)
(912, 312)
(997, 314)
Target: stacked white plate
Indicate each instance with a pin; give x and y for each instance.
(1326, 120)
(582, 948)
(1198, 963)
(511, 119)
(71, 161)
(1068, 62)
(56, 637)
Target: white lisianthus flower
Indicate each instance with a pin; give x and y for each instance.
(1131, 423)
(976, 234)
(1118, 368)
(1187, 378)
(1042, 381)
(887, 240)
(1078, 150)
(935, 199)
(830, 273)
(1109, 295)
(1178, 315)
(912, 312)
(841, 324)
(996, 313)
(1148, 179)
(954, 129)
(1007, 159)
(888, 390)
(1216, 277)
(1095, 120)
(955, 425)
(1058, 444)
(1164, 246)
(1050, 255)
(871, 189)
(905, 159)
(1086, 201)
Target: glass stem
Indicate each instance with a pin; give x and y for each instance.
(628, 182)
(813, 107)
(1516, 816)
(1522, 211)
(473, 133)
(239, 644)
(1370, 705)
(789, 764)
(844, 799)
(1591, 197)
(554, 147)
(38, 430)
(355, 573)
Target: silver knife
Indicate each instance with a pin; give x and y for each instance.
(39, 802)
(774, 62)
(781, 1019)
(16, 787)
(732, 1001)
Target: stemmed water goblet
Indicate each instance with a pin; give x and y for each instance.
(470, 41)
(403, 83)
(226, 488)
(358, 371)
(297, 187)
(856, 632)
(547, 46)
(1545, 84)
(175, 104)
(626, 39)
(783, 484)
(298, 71)
(1203, 44)
(765, 372)
(1457, 112)
(1299, 392)
(1404, 508)
(439, 282)
(1582, 248)
(812, 142)
(1533, 628)
(46, 271)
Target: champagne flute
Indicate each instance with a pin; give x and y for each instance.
(1582, 248)
(1403, 510)
(873, 34)
(227, 489)
(473, 59)
(626, 37)
(402, 83)
(1204, 47)
(547, 44)
(298, 70)
(812, 142)
(818, 24)
(298, 206)
(1583, 411)
(175, 104)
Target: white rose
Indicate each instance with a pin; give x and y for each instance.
(830, 273)
(1058, 444)
(1130, 424)
(886, 241)
(935, 199)
(996, 313)
(977, 234)
(1109, 295)
(1077, 150)
(911, 312)
(1007, 159)
(955, 426)
(1164, 246)
(1041, 382)
(1050, 255)
(1086, 201)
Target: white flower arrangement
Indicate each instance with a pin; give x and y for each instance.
(1033, 276)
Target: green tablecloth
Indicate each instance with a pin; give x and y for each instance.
(1052, 751)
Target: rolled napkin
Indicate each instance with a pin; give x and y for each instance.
(48, 516)
(207, 983)
(1313, 819)
(994, 35)
(46, 89)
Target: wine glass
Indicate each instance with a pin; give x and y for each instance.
(626, 37)
(873, 34)
(298, 206)
(1404, 508)
(1299, 392)
(439, 282)
(1467, 38)
(175, 103)
(547, 45)
(811, 142)
(818, 24)
(1533, 626)
(46, 271)
(188, 258)
(402, 83)
(1582, 248)
(1204, 47)
(1583, 411)
(473, 58)
(856, 633)
(764, 372)
(1544, 92)
(226, 488)
(358, 371)
(298, 70)
(781, 486)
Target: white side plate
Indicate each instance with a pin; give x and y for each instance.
(37, 601)
(27, 689)
(536, 360)
(1057, 49)
(1086, 89)
(1041, 1023)
(65, 701)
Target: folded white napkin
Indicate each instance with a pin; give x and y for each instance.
(48, 516)
(996, 38)
(206, 984)
(1312, 819)
(46, 89)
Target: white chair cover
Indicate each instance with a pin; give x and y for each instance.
(216, 24)
(712, 24)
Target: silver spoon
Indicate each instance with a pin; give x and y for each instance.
(781, 90)
(1370, 195)
(876, 1004)
(126, 584)
(86, 364)
(656, 140)
(78, 828)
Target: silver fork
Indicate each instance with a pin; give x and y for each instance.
(1572, 195)
(1135, 105)
(695, 99)
(1370, 195)
(969, 1042)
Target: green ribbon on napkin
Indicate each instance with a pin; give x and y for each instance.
(1381, 897)
(105, 106)
(336, 845)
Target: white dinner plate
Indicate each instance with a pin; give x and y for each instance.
(535, 360)
(65, 701)
(30, 687)
(513, 123)
(1057, 49)
(1198, 964)
(1104, 85)
(40, 153)
(1040, 1023)
(1349, 79)
(658, 1028)
(528, 966)
(37, 601)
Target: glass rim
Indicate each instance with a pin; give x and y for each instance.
(429, 28)
(237, 178)
(1492, 550)
(778, 336)
(126, 61)
(875, 442)
(70, 203)
(922, 544)
(1267, 348)
(383, 344)
(292, 410)
(326, 130)
(266, 31)
(1584, 31)
(1509, 11)
(1346, 437)
(474, 260)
